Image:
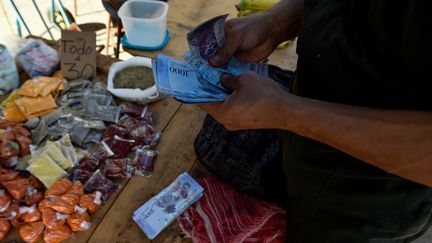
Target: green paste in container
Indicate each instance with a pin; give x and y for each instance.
(140, 77)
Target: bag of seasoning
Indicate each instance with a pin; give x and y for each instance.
(58, 235)
(121, 168)
(4, 228)
(59, 188)
(32, 232)
(79, 222)
(143, 161)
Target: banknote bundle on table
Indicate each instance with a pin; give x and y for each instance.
(196, 81)
(165, 207)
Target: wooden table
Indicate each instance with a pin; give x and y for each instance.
(179, 125)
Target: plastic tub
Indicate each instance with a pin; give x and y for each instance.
(144, 22)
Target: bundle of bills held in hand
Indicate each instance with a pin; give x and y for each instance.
(196, 81)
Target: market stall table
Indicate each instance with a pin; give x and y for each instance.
(179, 124)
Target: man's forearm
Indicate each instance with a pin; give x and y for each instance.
(399, 142)
(286, 18)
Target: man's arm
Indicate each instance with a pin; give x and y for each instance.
(398, 141)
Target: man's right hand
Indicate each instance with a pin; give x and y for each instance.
(254, 38)
(248, 38)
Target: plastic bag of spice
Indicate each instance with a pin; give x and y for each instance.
(59, 187)
(17, 188)
(4, 228)
(77, 189)
(118, 168)
(60, 205)
(91, 201)
(52, 219)
(98, 182)
(30, 214)
(5, 200)
(58, 235)
(143, 161)
(7, 175)
(32, 232)
(8, 149)
(79, 222)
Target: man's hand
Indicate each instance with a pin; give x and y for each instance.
(254, 38)
(254, 103)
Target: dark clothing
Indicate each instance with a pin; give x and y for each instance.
(363, 53)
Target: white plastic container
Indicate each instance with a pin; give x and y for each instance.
(144, 22)
(135, 95)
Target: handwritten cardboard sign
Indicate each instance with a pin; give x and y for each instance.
(78, 54)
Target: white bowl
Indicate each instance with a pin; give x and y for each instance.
(135, 95)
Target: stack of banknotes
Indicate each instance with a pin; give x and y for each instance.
(157, 213)
(196, 81)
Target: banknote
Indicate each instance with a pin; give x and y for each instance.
(204, 41)
(180, 80)
(166, 206)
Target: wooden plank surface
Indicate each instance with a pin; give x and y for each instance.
(176, 156)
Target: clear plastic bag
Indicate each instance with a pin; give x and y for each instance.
(37, 59)
(98, 182)
(59, 188)
(32, 232)
(144, 161)
(120, 168)
(9, 78)
(5, 227)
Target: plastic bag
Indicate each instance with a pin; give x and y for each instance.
(9, 78)
(59, 187)
(5, 124)
(52, 219)
(120, 146)
(30, 214)
(88, 163)
(91, 201)
(79, 222)
(65, 145)
(101, 152)
(134, 110)
(46, 170)
(71, 199)
(5, 227)
(20, 130)
(43, 205)
(32, 232)
(8, 149)
(35, 182)
(76, 189)
(7, 134)
(9, 163)
(143, 161)
(118, 168)
(7, 175)
(11, 212)
(34, 198)
(58, 235)
(17, 221)
(145, 135)
(98, 182)
(24, 144)
(80, 175)
(17, 188)
(5, 200)
(37, 59)
(60, 205)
